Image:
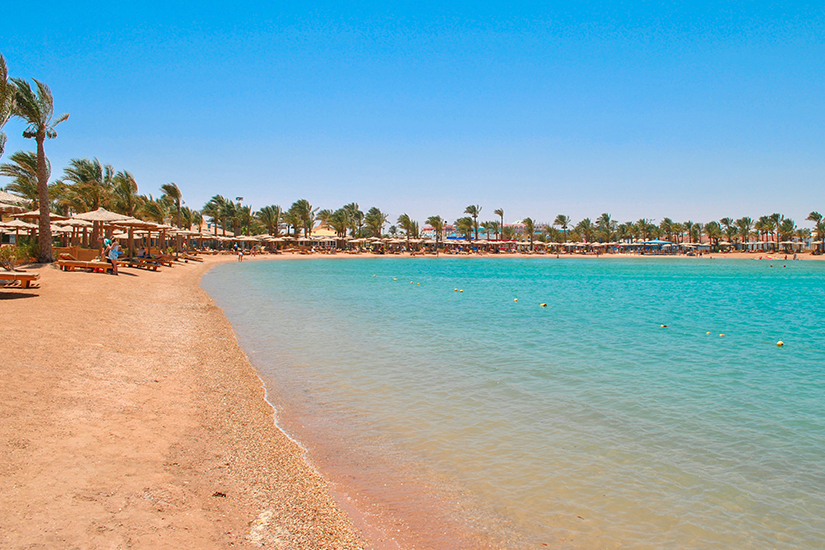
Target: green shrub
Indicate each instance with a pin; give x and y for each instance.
(29, 250)
(9, 254)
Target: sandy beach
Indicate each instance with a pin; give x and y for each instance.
(132, 419)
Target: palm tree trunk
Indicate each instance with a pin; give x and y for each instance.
(44, 231)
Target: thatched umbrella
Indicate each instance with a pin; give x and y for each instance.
(101, 215)
(35, 215)
(17, 225)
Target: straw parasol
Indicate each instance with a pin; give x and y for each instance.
(17, 225)
(35, 215)
(100, 215)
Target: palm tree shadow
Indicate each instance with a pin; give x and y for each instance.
(16, 295)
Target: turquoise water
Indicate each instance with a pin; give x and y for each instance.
(583, 423)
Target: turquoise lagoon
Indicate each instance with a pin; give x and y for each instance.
(582, 424)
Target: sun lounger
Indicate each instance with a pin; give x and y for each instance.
(25, 279)
(142, 263)
(189, 257)
(67, 262)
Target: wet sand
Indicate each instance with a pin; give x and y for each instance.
(130, 418)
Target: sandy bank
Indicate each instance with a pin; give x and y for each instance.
(131, 418)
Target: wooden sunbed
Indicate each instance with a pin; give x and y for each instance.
(142, 263)
(25, 279)
(189, 257)
(67, 262)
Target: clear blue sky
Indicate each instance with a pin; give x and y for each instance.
(692, 110)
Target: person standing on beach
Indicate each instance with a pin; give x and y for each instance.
(112, 253)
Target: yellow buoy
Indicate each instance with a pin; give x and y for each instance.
(455, 290)
(543, 305)
(394, 279)
(375, 275)
(707, 333)
(721, 336)
(461, 291)
(663, 326)
(419, 284)
(515, 299)
(780, 343)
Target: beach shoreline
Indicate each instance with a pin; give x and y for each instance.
(133, 418)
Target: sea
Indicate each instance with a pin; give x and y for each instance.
(540, 402)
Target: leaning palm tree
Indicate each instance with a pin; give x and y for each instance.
(474, 210)
(37, 109)
(7, 92)
(172, 192)
(437, 223)
(564, 222)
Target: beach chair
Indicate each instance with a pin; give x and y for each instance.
(67, 262)
(140, 263)
(13, 277)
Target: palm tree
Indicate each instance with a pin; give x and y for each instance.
(270, 218)
(688, 225)
(409, 226)
(605, 226)
(355, 217)
(212, 209)
(819, 226)
(125, 198)
(324, 216)
(500, 213)
(91, 187)
(786, 230)
(7, 93)
(563, 222)
(37, 109)
(306, 215)
(586, 229)
(474, 210)
(530, 229)
(744, 225)
(91, 181)
(339, 221)
(437, 224)
(22, 168)
(157, 210)
(465, 226)
(175, 197)
(776, 222)
(490, 227)
(376, 220)
(714, 232)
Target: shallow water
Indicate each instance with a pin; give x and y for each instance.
(583, 423)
